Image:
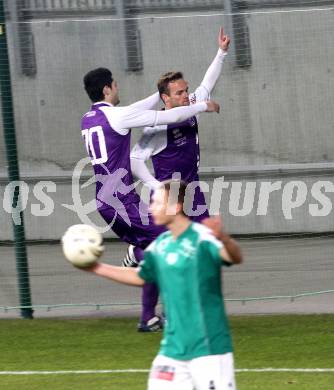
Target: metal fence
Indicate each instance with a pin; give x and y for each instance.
(47, 8)
(25, 10)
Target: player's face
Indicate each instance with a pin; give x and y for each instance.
(111, 93)
(178, 94)
(160, 209)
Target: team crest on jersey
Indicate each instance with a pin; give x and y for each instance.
(187, 247)
(192, 99)
(192, 121)
(180, 141)
(171, 258)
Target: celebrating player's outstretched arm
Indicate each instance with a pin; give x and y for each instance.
(214, 70)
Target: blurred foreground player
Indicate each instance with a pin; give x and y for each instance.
(106, 130)
(185, 262)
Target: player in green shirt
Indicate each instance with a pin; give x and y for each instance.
(185, 262)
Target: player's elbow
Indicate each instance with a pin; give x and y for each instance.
(136, 165)
(135, 160)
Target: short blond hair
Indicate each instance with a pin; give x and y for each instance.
(165, 79)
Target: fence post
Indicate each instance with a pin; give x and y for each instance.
(13, 169)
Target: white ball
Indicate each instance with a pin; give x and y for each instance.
(82, 245)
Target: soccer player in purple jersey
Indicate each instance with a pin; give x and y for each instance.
(106, 130)
(174, 148)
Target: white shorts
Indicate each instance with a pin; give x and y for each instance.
(214, 372)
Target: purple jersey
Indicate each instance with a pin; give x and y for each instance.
(117, 201)
(181, 153)
(109, 151)
(174, 149)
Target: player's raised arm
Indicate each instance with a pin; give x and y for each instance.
(231, 251)
(149, 103)
(213, 72)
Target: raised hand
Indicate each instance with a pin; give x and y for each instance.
(215, 224)
(223, 40)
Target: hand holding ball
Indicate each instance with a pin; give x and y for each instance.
(82, 245)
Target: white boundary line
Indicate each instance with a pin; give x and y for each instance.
(285, 370)
(79, 372)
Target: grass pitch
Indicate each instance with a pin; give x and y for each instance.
(302, 341)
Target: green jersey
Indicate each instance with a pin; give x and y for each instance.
(187, 271)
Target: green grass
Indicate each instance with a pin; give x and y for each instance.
(95, 344)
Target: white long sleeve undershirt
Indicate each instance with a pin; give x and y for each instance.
(140, 170)
(149, 103)
(121, 119)
(130, 117)
(214, 71)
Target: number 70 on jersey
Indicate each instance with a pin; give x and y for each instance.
(95, 143)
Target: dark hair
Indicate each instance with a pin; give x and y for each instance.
(176, 191)
(95, 81)
(165, 79)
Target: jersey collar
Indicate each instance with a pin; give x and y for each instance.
(184, 233)
(105, 103)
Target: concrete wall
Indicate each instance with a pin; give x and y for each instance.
(278, 111)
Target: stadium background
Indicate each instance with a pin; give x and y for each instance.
(276, 91)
